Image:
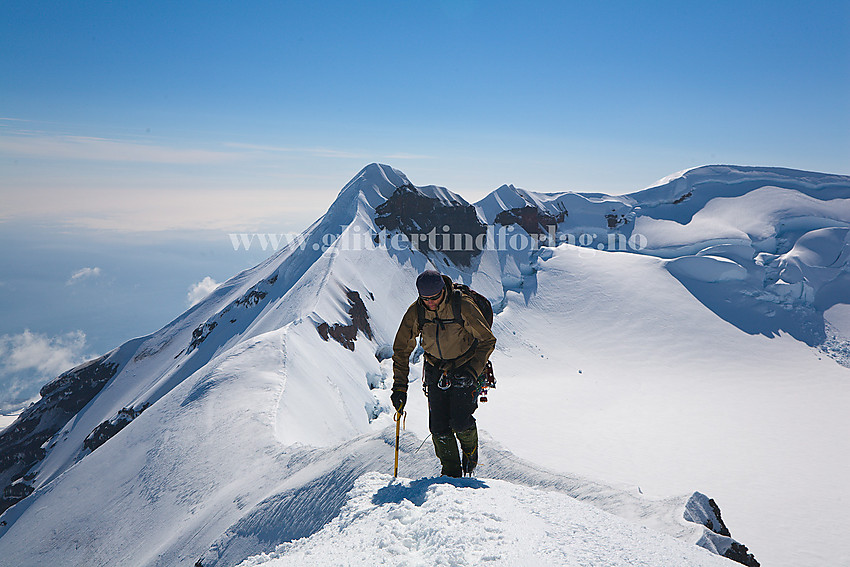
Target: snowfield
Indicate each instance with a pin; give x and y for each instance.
(639, 388)
(620, 375)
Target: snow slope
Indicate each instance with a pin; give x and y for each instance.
(626, 381)
(642, 384)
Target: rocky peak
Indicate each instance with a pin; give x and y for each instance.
(433, 224)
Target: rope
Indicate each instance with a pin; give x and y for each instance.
(422, 444)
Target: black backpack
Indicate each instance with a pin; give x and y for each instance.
(458, 291)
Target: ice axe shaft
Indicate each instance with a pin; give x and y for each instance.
(398, 418)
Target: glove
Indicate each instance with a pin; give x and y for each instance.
(398, 398)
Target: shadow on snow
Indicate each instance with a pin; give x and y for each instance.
(417, 491)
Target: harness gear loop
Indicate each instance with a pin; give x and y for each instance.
(445, 382)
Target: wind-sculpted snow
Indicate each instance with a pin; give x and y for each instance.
(625, 380)
(706, 268)
(466, 522)
(766, 249)
(680, 196)
(783, 265)
(291, 514)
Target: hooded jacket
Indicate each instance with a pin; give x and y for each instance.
(448, 344)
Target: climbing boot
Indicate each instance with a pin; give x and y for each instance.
(445, 447)
(469, 446)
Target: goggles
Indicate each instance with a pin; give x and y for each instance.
(433, 297)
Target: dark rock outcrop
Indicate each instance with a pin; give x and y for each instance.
(343, 334)
(531, 219)
(347, 334)
(738, 552)
(432, 225)
(359, 314)
(614, 220)
(109, 428)
(22, 443)
(703, 510)
(251, 298)
(719, 527)
(17, 490)
(14, 493)
(683, 198)
(200, 334)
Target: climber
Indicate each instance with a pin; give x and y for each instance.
(457, 341)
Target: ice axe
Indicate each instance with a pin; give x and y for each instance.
(399, 417)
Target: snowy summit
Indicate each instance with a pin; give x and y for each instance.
(661, 355)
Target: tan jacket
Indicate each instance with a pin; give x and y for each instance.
(448, 344)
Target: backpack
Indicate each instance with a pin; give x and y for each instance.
(458, 290)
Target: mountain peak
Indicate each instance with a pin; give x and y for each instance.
(379, 172)
(376, 182)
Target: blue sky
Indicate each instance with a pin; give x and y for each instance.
(135, 135)
(113, 101)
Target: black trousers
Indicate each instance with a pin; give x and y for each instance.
(449, 410)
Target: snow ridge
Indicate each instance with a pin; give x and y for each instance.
(438, 521)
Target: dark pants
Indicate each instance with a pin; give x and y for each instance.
(450, 410)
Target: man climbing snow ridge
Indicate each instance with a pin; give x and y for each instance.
(457, 341)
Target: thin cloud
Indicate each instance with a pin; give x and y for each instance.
(321, 152)
(314, 152)
(43, 145)
(325, 152)
(407, 156)
(82, 274)
(261, 148)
